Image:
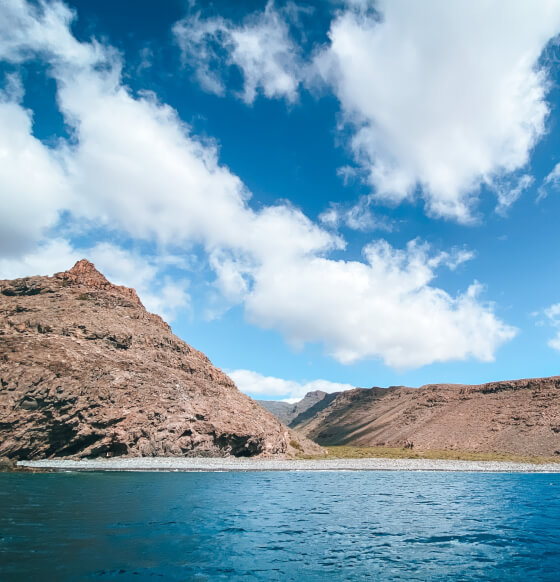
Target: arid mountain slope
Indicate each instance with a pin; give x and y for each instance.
(281, 410)
(86, 371)
(287, 412)
(521, 416)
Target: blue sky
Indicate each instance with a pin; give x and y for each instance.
(315, 194)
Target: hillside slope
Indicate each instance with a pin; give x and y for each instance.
(288, 413)
(520, 416)
(86, 371)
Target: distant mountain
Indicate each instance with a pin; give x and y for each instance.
(283, 411)
(86, 371)
(520, 416)
(288, 413)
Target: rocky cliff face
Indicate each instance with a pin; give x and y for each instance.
(86, 371)
(521, 417)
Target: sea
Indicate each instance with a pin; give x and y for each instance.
(343, 525)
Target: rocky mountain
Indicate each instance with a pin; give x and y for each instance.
(520, 416)
(281, 410)
(288, 413)
(86, 371)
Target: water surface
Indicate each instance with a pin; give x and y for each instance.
(280, 526)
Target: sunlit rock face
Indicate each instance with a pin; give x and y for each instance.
(86, 371)
(514, 417)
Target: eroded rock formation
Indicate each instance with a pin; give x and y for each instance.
(86, 371)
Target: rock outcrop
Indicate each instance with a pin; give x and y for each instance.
(86, 371)
(519, 417)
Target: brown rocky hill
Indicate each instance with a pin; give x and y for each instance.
(86, 371)
(520, 417)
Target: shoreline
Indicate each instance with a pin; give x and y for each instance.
(199, 464)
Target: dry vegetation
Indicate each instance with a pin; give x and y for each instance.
(349, 452)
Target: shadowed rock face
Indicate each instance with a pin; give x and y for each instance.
(283, 411)
(520, 417)
(86, 371)
(288, 413)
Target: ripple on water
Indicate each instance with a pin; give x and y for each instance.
(280, 526)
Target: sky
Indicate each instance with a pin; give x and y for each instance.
(317, 195)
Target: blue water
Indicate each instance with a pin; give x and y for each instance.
(279, 526)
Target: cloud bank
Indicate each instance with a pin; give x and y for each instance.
(442, 98)
(133, 167)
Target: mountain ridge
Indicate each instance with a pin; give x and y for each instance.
(288, 412)
(512, 416)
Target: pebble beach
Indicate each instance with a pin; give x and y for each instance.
(236, 464)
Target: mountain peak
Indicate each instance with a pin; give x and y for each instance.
(319, 394)
(84, 273)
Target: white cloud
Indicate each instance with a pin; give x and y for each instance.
(445, 96)
(138, 168)
(134, 167)
(552, 314)
(356, 217)
(443, 99)
(551, 182)
(27, 28)
(384, 308)
(261, 48)
(257, 385)
(508, 194)
(48, 257)
(554, 343)
(33, 186)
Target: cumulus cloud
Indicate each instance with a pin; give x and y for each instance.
(383, 308)
(443, 97)
(26, 29)
(261, 47)
(551, 182)
(257, 385)
(134, 167)
(33, 184)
